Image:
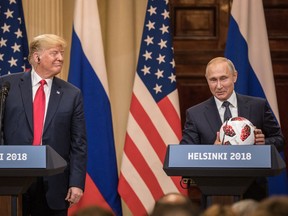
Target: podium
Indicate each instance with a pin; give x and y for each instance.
(223, 170)
(20, 166)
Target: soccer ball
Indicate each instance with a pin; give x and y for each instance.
(237, 131)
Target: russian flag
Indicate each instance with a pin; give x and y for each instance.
(248, 48)
(88, 72)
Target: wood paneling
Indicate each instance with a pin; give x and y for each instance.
(6, 206)
(200, 29)
(195, 22)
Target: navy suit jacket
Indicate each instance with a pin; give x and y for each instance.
(203, 121)
(64, 130)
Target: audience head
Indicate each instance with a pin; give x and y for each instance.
(175, 204)
(219, 210)
(245, 207)
(93, 211)
(272, 206)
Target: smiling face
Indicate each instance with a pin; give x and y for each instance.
(49, 61)
(47, 55)
(221, 77)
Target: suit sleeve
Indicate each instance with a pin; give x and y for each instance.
(190, 135)
(272, 130)
(78, 152)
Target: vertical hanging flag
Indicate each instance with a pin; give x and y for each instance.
(154, 119)
(248, 48)
(13, 39)
(88, 72)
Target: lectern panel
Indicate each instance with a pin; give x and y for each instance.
(22, 156)
(223, 161)
(219, 156)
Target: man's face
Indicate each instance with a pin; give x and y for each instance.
(50, 62)
(221, 80)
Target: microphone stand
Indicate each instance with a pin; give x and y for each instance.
(226, 122)
(3, 95)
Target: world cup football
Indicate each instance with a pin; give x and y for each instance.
(237, 131)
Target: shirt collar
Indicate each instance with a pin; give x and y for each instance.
(232, 99)
(36, 79)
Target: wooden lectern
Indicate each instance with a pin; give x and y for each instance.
(19, 168)
(226, 170)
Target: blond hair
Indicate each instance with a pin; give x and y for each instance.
(44, 41)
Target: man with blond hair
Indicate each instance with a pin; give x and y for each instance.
(42, 109)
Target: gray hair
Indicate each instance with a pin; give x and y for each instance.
(221, 59)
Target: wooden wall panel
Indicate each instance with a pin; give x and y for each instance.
(200, 29)
(195, 22)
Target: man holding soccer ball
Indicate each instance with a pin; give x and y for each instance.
(203, 121)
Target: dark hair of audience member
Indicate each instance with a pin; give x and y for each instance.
(245, 207)
(93, 211)
(219, 210)
(175, 204)
(272, 206)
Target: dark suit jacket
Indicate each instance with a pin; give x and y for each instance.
(64, 130)
(203, 121)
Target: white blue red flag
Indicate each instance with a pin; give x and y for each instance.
(88, 72)
(13, 38)
(248, 48)
(154, 119)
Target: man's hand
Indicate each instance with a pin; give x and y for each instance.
(259, 137)
(218, 141)
(74, 195)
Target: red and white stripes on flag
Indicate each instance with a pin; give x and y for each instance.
(154, 119)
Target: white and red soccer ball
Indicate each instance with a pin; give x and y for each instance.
(238, 131)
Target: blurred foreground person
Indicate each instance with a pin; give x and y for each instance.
(219, 210)
(93, 211)
(245, 207)
(272, 206)
(175, 204)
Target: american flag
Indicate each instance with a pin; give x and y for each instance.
(154, 119)
(13, 38)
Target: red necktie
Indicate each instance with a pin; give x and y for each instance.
(38, 113)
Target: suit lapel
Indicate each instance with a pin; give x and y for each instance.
(212, 115)
(25, 86)
(243, 107)
(55, 97)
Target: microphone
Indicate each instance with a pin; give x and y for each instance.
(4, 92)
(226, 122)
(187, 182)
(5, 88)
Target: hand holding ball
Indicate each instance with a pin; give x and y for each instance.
(237, 131)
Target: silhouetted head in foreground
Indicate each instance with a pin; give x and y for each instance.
(175, 204)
